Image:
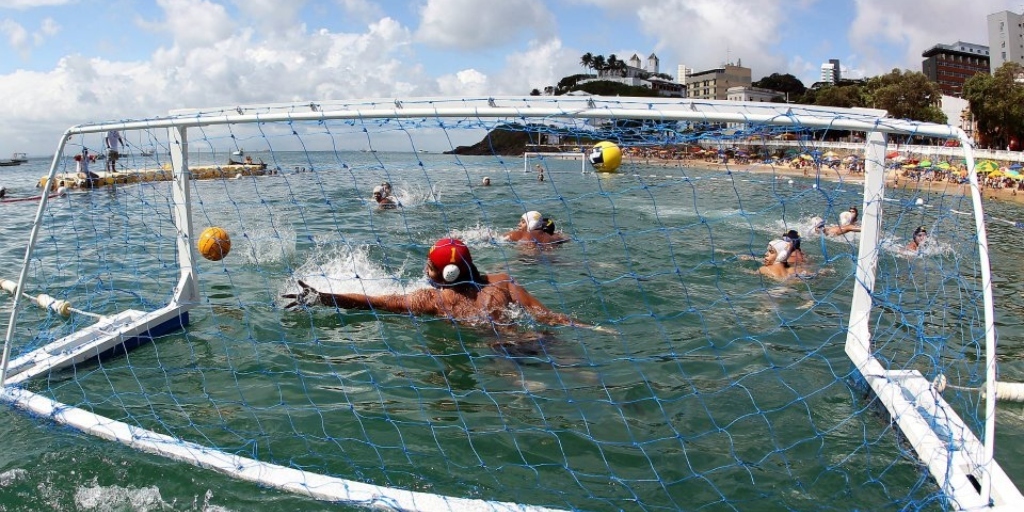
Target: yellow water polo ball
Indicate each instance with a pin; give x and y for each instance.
(214, 243)
(605, 157)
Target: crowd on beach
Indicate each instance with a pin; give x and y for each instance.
(998, 180)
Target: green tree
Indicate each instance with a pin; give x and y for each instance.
(587, 60)
(905, 95)
(535, 92)
(847, 96)
(783, 83)
(997, 104)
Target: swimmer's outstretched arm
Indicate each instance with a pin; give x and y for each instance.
(544, 315)
(419, 303)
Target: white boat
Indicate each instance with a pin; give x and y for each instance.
(148, 152)
(240, 152)
(19, 158)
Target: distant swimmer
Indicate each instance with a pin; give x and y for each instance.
(540, 172)
(848, 223)
(536, 229)
(384, 200)
(486, 181)
(920, 237)
(3, 192)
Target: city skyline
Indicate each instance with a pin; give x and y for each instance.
(69, 62)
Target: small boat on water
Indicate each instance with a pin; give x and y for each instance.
(16, 159)
(240, 152)
(148, 152)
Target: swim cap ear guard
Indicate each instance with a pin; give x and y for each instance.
(450, 273)
(452, 257)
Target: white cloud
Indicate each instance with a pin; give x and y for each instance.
(882, 25)
(16, 35)
(474, 25)
(271, 16)
(195, 23)
(706, 33)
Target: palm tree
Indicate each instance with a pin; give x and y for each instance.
(587, 61)
(613, 63)
(599, 64)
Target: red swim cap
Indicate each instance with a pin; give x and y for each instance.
(450, 251)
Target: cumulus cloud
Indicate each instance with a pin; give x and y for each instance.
(473, 25)
(16, 35)
(706, 33)
(894, 34)
(195, 23)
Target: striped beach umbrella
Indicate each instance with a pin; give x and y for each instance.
(986, 166)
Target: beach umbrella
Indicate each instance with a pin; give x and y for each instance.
(892, 154)
(985, 166)
(1016, 167)
(995, 174)
(925, 163)
(1013, 174)
(944, 166)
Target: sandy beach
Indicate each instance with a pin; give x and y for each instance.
(894, 180)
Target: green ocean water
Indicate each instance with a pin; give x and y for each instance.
(720, 391)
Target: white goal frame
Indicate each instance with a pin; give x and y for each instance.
(964, 467)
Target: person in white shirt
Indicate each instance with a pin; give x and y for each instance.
(114, 142)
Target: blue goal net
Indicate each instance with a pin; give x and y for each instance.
(733, 306)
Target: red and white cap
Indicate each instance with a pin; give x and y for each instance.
(451, 256)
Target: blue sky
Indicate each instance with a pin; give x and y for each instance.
(65, 62)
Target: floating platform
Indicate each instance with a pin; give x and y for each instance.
(199, 172)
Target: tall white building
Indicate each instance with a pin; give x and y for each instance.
(1005, 39)
(830, 72)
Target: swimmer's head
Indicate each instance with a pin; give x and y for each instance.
(793, 238)
(486, 181)
(533, 220)
(780, 248)
(920, 231)
(449, 260)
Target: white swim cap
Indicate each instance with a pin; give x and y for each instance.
(450, 273)
(533, 219)
(378, 190)
(62, 191)
(845, 218)
(781, 250)
(818, 222)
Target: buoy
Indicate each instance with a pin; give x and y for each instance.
(61, 307)
(214, 243)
